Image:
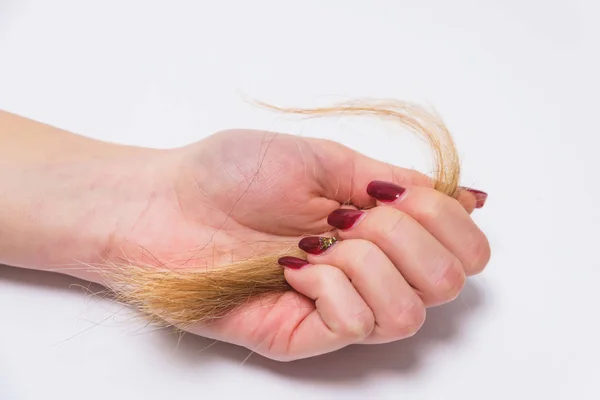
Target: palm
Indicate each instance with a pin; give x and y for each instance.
(262, 181)
(238, 194)
(237, 186)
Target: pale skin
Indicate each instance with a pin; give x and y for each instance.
(67, 200)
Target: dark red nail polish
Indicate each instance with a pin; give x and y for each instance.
(344, 218)
(316, 244)
(292, 262)
(480, 197)
(385, 191)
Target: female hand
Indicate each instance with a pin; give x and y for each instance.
(236, 194)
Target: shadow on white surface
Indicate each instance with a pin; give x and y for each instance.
(443, 327)
(46, 280)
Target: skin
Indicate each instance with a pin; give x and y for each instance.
(67, 200)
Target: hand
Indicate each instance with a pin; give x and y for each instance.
(237, 193)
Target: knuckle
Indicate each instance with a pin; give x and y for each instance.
(359, 326)
(355, 325)
(452, 280)
(410, 320)
(478, 254)
(434, 206)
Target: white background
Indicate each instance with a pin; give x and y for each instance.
(517, 83)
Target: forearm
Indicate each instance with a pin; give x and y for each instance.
(24, 142)
(49, 182)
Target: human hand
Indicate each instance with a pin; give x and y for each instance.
(237, 194)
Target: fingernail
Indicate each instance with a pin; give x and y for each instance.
(292, 262)
(316, 244)
(385, 191)
(344, 218)
(480, 197)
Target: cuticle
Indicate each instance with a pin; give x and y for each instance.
(327, 243)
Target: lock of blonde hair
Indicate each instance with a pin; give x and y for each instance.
(184, 297)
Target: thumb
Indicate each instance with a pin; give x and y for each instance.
(345, 175)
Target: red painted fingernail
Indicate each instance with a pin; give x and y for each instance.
(344, 218)
(385, 191)
(292, 262)
(316, 244)
(480, 197)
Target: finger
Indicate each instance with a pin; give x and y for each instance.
(341, 316)
(424, 262)
(443, 217)
(467, 201)
(344, 174)
(398, 310)
(477, 197)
